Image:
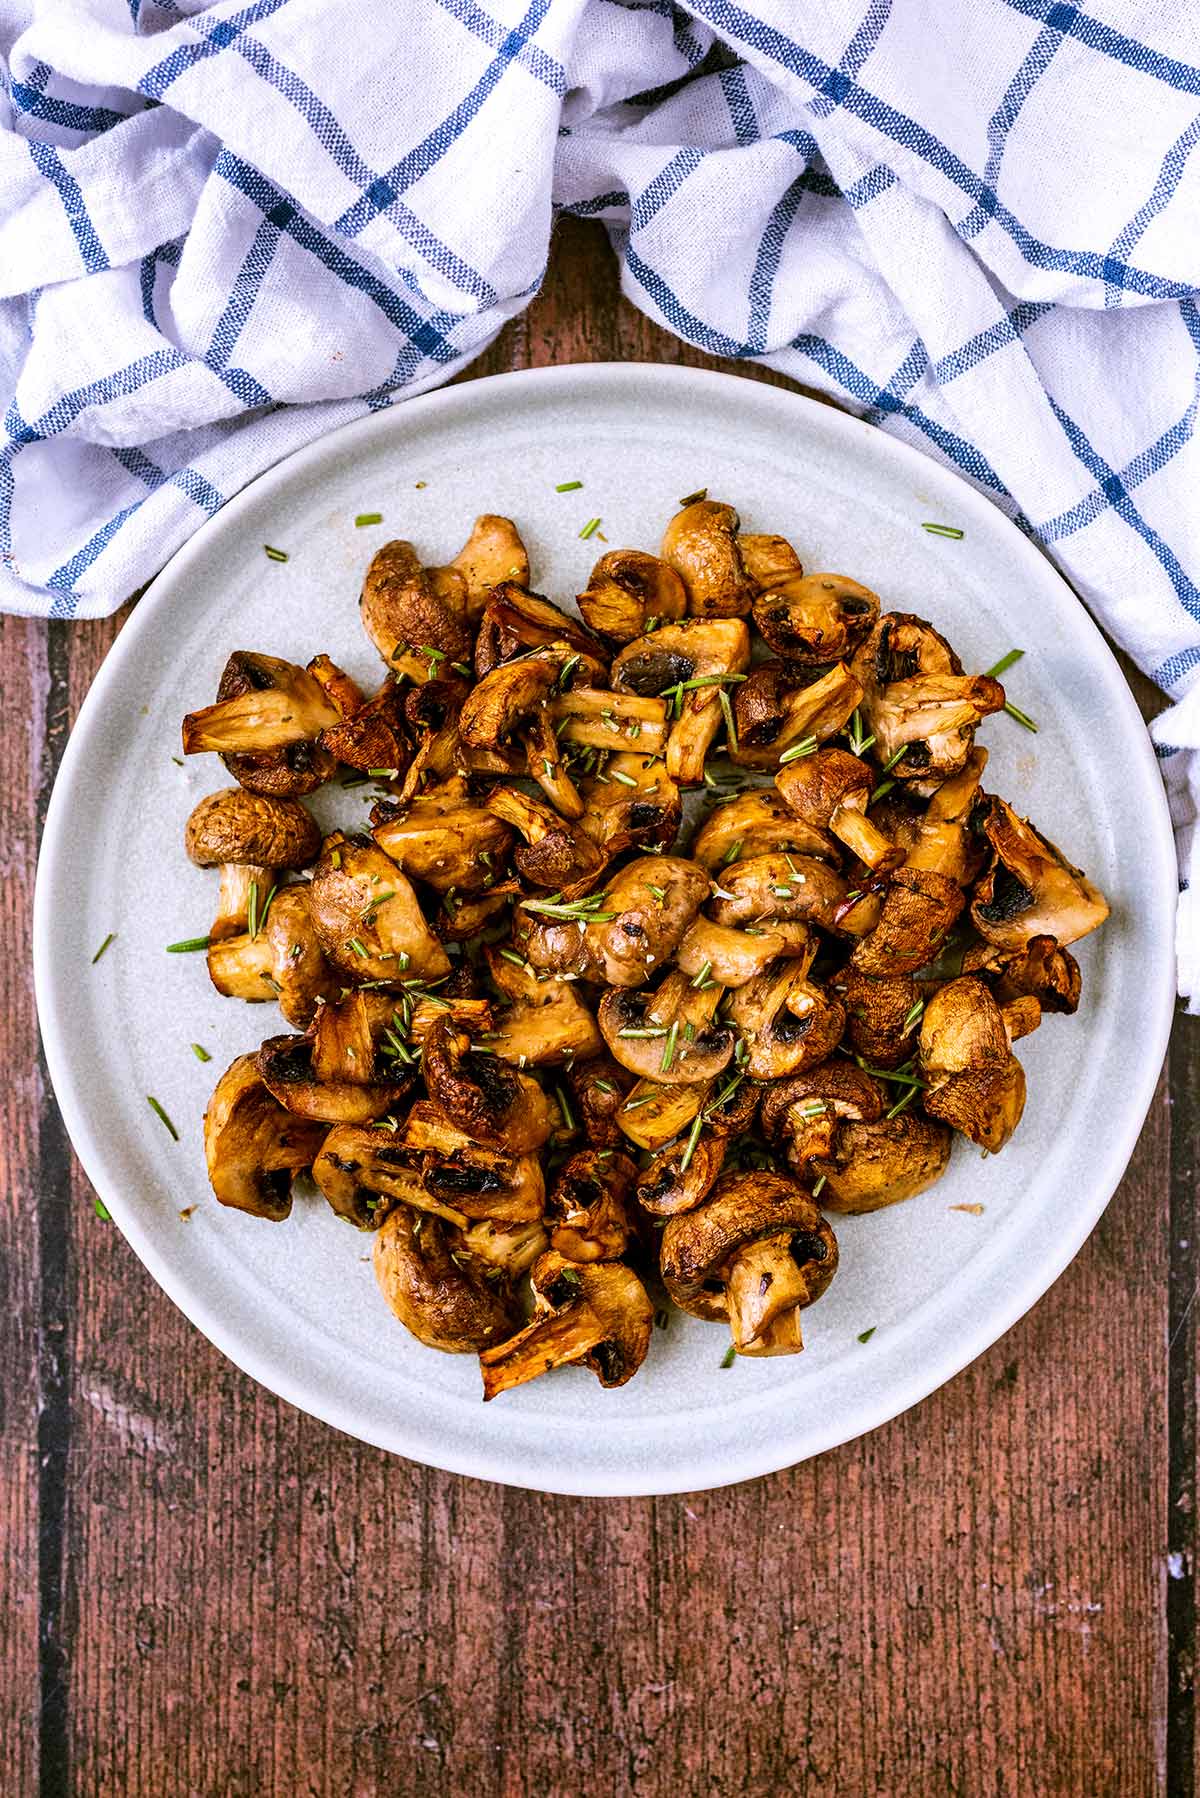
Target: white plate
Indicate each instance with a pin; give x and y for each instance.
(295, 1304)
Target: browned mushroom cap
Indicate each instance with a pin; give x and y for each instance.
(516, 621)
(444, 837)
(500, 706)
(916, 698)
(786, 1021)
(507, 1250)
(692, 661)
(681, 1175)
(461, 920)
(973, 1081)
(598, 1088)
(755, 823)
(285, 1066)
(756, 1251)
(541, 1020)
(494, 552)
(408, 613)
(445, 1299)
(633, 804)
(1041, 969)
(701, 544)
(815, 618)
(374, 736)
(247, 835)
(363, 1168)
(785, 887)
(284, 960)
(668, 1036)
(830, 791)
(598, 1314)
(554, 852)
(252, 1146)
(805, 1112)
(367, 917)
(1030, 889)
(768, 558)
(882, 1013)
(482, 1094)
(625, 590)
(473, 1177)
(267, 717)
(919, 909)
(646, 910)
(779, 717)
(716, 955)
(588, 1202)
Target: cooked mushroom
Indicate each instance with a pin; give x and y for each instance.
(815, 618)
(588, 1203)
(835, 1122)
(647, 907)
(367, 917)
(919, 908)
(500, 704)
(668, 1036)
(1042, 969)
(462, 920)
(598, 1314)
(344, 694)
(493, 553)
(973, 1080)
(286, 1068)
(882, 1014)
(594, 718)
(778, 718)
(916, 699)
(252, 1146)
(755, 823)
(768, 559)
(778, 887)
(544, 763)
(1030, 889)
(692, 661)
(786, 1021)
(482, 1094)
(543, 1021)
(265, 724)
(701, 545)
(415, 619)
(625, 590)
(680, 1176)
(284, 960)
(374, 735)
(477, 1179)
(830, 791)
(633, 804)
(943, 840)
(554, 853)
(445, 1299)
(598, 1087)
(717, 955)
(247, 836)
(516, 621)
(444, 837)
(757, 1252)
(507, 1249)
(360, 1166)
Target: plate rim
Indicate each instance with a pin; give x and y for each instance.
(933, 1371)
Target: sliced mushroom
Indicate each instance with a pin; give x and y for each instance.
(344, 694)
(265, 724)
(588, 1203)
(543, 1021)
(516, 621)
(367, 917)
(373, 737)
(252, 1146)
(363, 1168)
(545, 764)
(493, 553)
(973, 1081)
(768, 559)
(757, 1252)
(594, 718)
(442, 1296)
(1030, 889)
(835, 1122)
(647, 908)
(830, 791)
(918, 910)
(767, 888)
(415, 619)
(476, 1178)
(669, 1036)
(717, 955)
(598, 1314)
(774, 714)
(681, 1176)
(500, 705)
(284, 961)
(444, 837)
(509, 1250)
(1042, 969)
(554, 853)
(285, 1066)
(693, 661)
(755, 823)
(247, 835)
(701, 545)
(633, 803)
(625, 590)
(482, 1094)
(651, 1115)
(916, 698)
(943, 840)
(815, 618)
(786, 1021)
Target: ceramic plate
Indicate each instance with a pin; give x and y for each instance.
(296, 1304)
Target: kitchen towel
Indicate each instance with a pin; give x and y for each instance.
(225, 229)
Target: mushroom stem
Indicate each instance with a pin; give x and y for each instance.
(864, 839)
(555, 1340)
(240, 966)
(1021, 1016)
(233, 898)
(766, 1291)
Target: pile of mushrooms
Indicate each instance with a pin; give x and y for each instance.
(565, 1057)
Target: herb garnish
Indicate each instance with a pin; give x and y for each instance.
(200, 1052)
(805, 746)
(158, 1111)
(693, 499)
(102, 1211)
(685, 1160)
(368, 518)
(110, 938)
(590, 528)
(189, 945)
(867, 1334)
(568, 486)
(942, 530)
(275, 555)
(728, 1358)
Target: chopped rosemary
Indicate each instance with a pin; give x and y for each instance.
(648, 1031)
(730, 727)
(178, 760)
(590, 528)
(1005, 662)
(110, 938)
(1020, 716)
(383, 773)
(669, 1050)
(633, 1104)
(200, 1052)
(820, 1186)
(275, 555)
(859, 744)
(732, 853)
(368, 518)
(102, 1211)
(357, 947)
(881, 791)
(728, 1358)
(805, 746)
(689, 1149)
(604, 1086)
(564, 1107)
(911, 1016)
(702, 976)
(712, 680)
(568, 486)
(626, 780)
(942, 530)
(189, 945)
(906, 1099)
(866, 1335)
(812, 1108)
(158, 1111)
(693, 499)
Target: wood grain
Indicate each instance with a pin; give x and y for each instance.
(236, 1601)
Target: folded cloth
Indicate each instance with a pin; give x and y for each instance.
(225, 229)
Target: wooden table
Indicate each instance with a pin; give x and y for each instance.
(208, 1593)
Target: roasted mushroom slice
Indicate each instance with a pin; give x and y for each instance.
(252, 1146)
(882, 1014)
(691, 663)
(516, 621)
(247, 836)
(680, 1176)
(625, 590)
(768, 559)
(507, 1250)
(1041, 969)
(444, 837)
(633, 804)
(786, 1021)
(815, 618)
(588, 1205)
(652, 1115)
(598, 1314)
(778, 887)
(598, 1088)
(830, 791)
(843, 1131)
(919, 908)
(701, 545)
(554, 852)
(757, 1252)
(285, 1066)
(920, 706)
(473, 1177)
(264, 725)
(493, 553)
(362, 1168)
(541, 1020)
(438, 1292)
(1030, 888)
(415, 619)
(778, 718)
(670, 1036)
(374, 736)
(367, 917)
(717, 955)
(283, 961)
(755, 823)
(943, 839)
(973, 1081)
(482, 1094)
(594, 718)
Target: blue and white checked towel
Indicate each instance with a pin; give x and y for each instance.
(979, 226)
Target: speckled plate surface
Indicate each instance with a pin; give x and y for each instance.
(296, 1304)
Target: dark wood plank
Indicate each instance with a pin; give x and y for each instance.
(971, 1600)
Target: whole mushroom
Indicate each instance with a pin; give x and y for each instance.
(248, 836)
